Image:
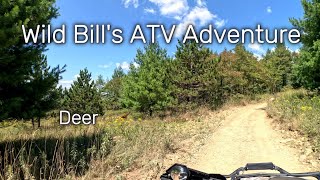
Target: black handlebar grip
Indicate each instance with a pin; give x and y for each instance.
(260, 166)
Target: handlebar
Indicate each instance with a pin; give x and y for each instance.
(185, 173)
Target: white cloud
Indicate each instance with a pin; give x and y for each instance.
(104, 65)
(172, 8)
(291, 50)
(135, 65)
(65, 83)
(127, 3)
(177, 18)
(273, 49)
(197, 14)
(179, 10)
(124, 65)
(220, 23)
(149, 10)
(269, 10)
(258, 56)
(76, 76)
(201, 3)
(201, 14)
(256, 47)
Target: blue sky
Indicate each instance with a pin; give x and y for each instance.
(125, 14)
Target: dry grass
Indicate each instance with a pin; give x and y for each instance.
(114, 148)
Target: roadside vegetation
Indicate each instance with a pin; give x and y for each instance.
(298, 110)
(147, 112)
(112, 148)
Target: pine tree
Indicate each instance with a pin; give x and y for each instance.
(230, 78)
(253, 72)
(147, 88)
(191, 73)
(41, 92)
(18, 59)
(100, 83)
(83, 97)
(113, 89)
(279, 64)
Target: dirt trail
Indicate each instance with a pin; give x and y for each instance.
(246, 135)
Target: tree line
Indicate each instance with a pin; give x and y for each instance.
(196, 76)
(193, 77)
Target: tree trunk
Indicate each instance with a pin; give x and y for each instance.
(38, 122)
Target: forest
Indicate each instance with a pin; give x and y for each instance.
(156, 86)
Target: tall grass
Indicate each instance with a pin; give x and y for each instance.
(113, 146)
(298, 110)
(47, 157)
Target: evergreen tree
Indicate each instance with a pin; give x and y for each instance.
(83, 96)
(191, 73)
(100, 83)
(41, 94)
(113, 89)
(147, 88)
(18, 59)
(230, 79)
(238, 74)
(279, 64)
(245, 63)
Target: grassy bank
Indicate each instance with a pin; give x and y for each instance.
(298, 110)
(112, 148)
